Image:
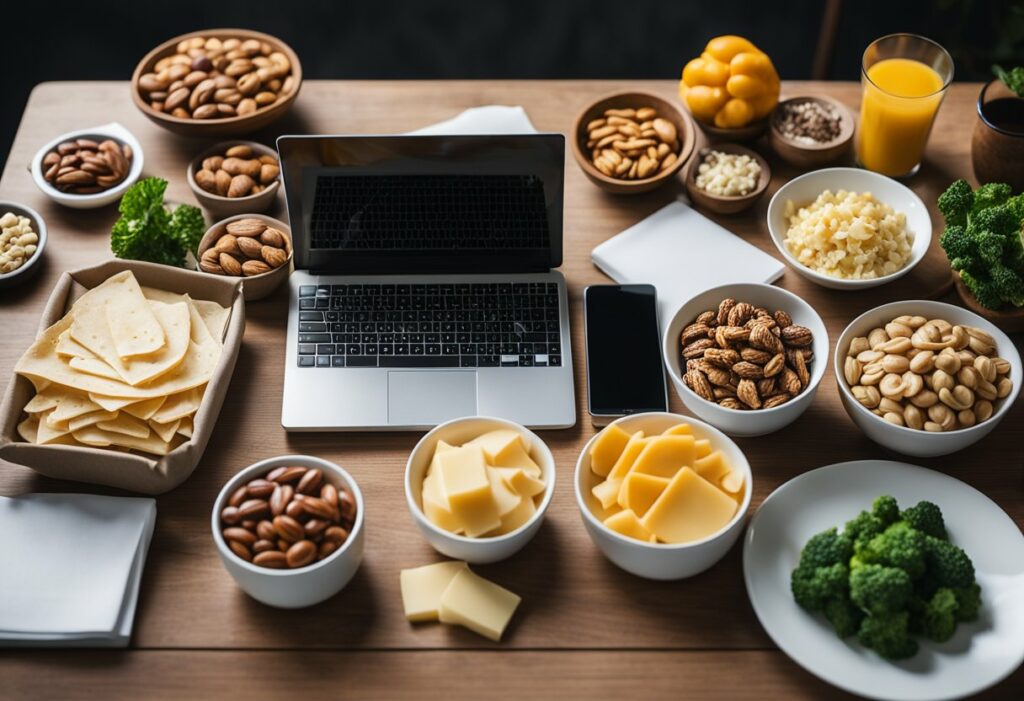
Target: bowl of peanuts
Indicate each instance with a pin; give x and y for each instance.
(289, 530)
(235, 177)
(22, 240)
(926, 378)
(632, 142)
(217, 82)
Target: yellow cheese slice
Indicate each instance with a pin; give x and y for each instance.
(690, 508)
(712, 467)
(504, 498)
(517, 456)
(733, 483)
(517, 517)
(464, 482)
(134, 328)
(435, 505)
(519, 482)
(97, 437)
(702, 447)
(678, 430)
(185, 427)
(129, 426)
(89, 419)
(478, 604)
(442, 447)
(626, 523)
(629, 455)
(665, 455)
(496, 443)
(607, 448)
(422, 588)
(639, 491)
(607, 492)
(178, 406)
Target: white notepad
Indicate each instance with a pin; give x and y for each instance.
(72, 564)
(682, 253)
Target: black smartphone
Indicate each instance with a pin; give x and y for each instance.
(625, 373)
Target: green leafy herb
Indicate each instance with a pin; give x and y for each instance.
(147, 231)
(1013, 78)
(983, 241)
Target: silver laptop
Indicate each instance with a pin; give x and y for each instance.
(424, 287)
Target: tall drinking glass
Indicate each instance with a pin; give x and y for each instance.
(904, 78)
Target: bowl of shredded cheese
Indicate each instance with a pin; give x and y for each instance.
(847, 228)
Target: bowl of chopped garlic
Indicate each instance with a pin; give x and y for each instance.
(22, 240)
(727, 178)
(848, 229)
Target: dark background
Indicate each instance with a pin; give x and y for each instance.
(480, 39)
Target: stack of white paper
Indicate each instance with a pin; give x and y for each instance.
(71, 567)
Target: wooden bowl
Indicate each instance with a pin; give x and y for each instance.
(666, 110)
(748, 133)
(228, 126)
(723, 204)
(814, 155)
(1010, 319)
(256, 286)
(220, 206)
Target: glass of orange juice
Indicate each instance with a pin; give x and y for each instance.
(904, 78)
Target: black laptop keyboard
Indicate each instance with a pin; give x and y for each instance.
(429, 325)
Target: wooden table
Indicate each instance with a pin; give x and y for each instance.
(585, 628)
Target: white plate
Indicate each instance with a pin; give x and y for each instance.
(806, 188)
(979, 655)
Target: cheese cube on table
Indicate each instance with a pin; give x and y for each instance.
(466, 486)
(689, 509)
(607, 448)
(664, 456)
(626, 523)
(478, 604)
(639, 491)
(422, 588)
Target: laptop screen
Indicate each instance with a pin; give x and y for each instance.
(401, 204)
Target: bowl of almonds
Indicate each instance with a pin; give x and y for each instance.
(217, 82)
(252, 246)
(926, 378)
(746, 358)
(632, 142)
(235, 177)
(289, 530)
(88, 168)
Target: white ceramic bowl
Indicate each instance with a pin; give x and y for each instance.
(304, 586)
(911, 441)
(32, 265)
(806, 188)
(113, 131)
(659, 560)
(734, 421)
(476, 550)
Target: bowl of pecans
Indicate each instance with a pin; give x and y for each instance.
(289, 530)
(746, 358)
(632, 142)
(88, 168)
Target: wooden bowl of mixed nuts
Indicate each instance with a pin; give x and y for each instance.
(632, 142)
(235, 177)
(255, 247)
(217, 82)
(811, 132)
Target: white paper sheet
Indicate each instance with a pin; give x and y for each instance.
(490, 119)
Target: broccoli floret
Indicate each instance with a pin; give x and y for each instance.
(885, 509)
(900, 546)
(968, 602)
(956, 202)
(927, 518)
(957, 244)
(1008, 284)
(880, 590)
(844, 616)
(983, 289)
(814, 587)
(938, 620)
(948, 564)
(863, 528)
(888, 635)
(990, 195)
(826, 548)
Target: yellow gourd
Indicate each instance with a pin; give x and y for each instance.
(731, 84)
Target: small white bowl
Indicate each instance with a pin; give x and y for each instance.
(659, 560)
(307, 585)
(911, 441)
(734, 421)
(32, 265)
(475, 550)
(112, 131)
(806, 188)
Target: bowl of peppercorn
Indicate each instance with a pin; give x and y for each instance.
(811, 132)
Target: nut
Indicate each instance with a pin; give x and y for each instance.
(85, 166)
(272, 256)
(249, 247)
(246, 227)
(254, 267)
(229, 264)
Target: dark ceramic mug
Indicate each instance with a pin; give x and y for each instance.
(997, 146)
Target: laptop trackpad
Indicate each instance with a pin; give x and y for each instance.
(417, 398)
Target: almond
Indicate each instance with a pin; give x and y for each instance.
(246, 227)
(254, 267)
(273, 237)
(206, 180)
(239, 151)
(223, 182)
(249, 246)
(230, 265)
(213, 163)
(226, 244)
(269, 173)
(274, 257)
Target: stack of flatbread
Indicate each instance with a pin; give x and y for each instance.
(124, 369)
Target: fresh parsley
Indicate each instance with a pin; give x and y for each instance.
(147, 230)
(1013, 78)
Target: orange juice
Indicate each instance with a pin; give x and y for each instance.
(901, 98)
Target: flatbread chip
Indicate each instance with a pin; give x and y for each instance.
(69, 405)
(197, 327)
(146, 408)
(89, 419)
(179, 405)
(111, 403)
(134, 327)
(93, 366)
(98, 438)
(128, 425)
(48, 433)
(165, 431)
(29, 429)
(213, 315)
(185, 427)
(71, 348)
(44, 401)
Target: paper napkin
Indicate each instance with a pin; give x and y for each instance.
(490, 119)
(671, 248)
(72, 564)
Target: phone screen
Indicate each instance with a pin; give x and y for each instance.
(625, 374)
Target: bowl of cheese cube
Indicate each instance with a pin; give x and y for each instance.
(662, 495)
(478, 487)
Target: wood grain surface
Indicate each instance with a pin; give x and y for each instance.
(582, 620)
